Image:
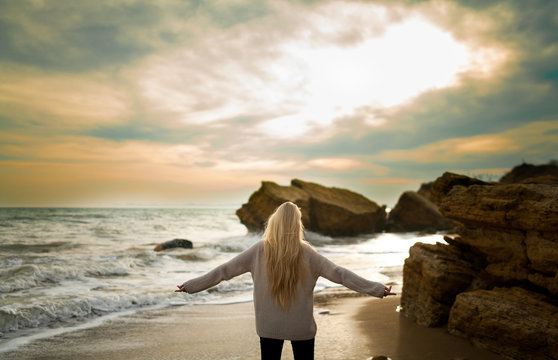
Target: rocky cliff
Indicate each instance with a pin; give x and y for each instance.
(496, 281)
(325, 210)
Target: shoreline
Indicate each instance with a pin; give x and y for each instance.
(349, 327)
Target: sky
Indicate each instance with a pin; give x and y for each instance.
(174, 103)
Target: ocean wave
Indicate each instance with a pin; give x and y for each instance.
(200, 254)
(65, 312)
(106, 232)
(28, 276)
(38, 248)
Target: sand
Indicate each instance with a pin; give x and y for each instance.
(348, 328)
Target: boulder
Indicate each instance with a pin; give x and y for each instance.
(266, 199)
(325, 210)
(176, 243)
(415, 212)
(514, 322)
(442, 185)
(524, 171)
(515, 206)
(503, 251)
(432, 276)
(425, 190)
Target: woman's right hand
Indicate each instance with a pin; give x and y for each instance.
(181, 288)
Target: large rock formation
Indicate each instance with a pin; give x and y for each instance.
(525, 172)
(418, 211)
(439, 188)
(516, 322)
(414, 212)
(434, 275)
(329, 211)
(500, 271)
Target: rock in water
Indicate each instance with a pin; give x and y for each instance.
(415, 212)
(176, 243)
(325, 210)
(266, 199)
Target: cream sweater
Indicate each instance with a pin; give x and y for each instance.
(296, 323)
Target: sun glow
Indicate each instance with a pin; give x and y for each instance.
(408, 59)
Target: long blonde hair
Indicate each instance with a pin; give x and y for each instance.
(283, 244)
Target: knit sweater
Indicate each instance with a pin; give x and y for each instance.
(297, 322)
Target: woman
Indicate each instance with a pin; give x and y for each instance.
(284, 269)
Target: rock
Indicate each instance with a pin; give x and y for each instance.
(506, 247)
(176, 243)
(542, 253)
(425, 190)
(502, 249)
(432, 276)
(514, 322)
(442, 185)
(415, 212)
(547, 179)
(325, 210)
(266, 199)
(527, 171)
(515, 206)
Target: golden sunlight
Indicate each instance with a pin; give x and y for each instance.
(409, 58)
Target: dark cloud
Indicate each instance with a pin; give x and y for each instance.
(80, 36)
(141, 131)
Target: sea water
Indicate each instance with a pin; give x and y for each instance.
(62, 268)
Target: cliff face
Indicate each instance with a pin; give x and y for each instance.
(326, 210)
(496, 281)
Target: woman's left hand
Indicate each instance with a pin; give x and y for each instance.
(180, 288)
(387, 291)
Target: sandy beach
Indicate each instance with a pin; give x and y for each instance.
(348, 328)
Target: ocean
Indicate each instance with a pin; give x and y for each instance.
(67, 268)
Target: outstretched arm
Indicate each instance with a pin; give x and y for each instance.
(240, 264)
(345, 277)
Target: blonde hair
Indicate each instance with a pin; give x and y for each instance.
(283, 244)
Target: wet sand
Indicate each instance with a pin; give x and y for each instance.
(348, 328)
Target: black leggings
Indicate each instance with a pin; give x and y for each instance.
(272, 348)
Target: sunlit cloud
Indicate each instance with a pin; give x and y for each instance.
(64, 99)
(301, 82)
(532, 139)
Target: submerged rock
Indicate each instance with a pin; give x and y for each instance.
(176, 243)
(325, 210)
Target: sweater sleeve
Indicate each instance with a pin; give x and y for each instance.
(345, 277)
(238, 265)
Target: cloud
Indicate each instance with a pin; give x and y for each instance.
(532, 140)
(60, 101)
